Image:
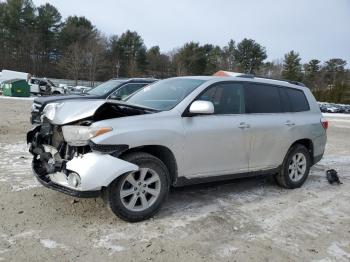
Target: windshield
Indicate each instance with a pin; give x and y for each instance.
(166, 94)
(105, 87)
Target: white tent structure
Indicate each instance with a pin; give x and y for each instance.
(8, 74)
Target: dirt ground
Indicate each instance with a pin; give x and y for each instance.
(243, 220)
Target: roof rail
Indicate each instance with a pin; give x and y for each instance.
(284, 80)
(246, 76)
(296, 83)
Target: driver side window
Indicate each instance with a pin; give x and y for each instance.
(227, 98)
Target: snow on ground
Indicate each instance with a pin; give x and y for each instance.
(15, 166)
(49, 243)
(17, 98)
(336, 115)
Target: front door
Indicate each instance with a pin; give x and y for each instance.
(217, 144)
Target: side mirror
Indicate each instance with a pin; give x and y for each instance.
(202, 107)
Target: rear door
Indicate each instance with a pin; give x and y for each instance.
(217, 144)
(299, 119)
(268, 129)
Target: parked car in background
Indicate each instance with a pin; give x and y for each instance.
(38, 86)
(79, 90)
(115, 89)
(175, 132)
(44, 86)
(334, 108)
(331, 108)
(345, 109)
(323, 108)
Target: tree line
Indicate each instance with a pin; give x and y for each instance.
(37, 40)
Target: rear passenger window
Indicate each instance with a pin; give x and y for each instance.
(297, 100)
(261, 98)
(286, 107)
(227, 98)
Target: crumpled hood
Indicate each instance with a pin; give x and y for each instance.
(44, 100)
(70, 111)
(73, 110)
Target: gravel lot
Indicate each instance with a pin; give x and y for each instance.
(243, 220)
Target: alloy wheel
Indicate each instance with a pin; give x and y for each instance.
(140, 189)
(297, 167)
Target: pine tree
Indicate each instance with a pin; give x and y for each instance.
(312, 73)
(250, 55)
(292, 67)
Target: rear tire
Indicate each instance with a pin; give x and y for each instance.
(137, 196)
(295, 168)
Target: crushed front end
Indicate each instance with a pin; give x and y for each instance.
(66, 159)
(35, 113)
(50, 157)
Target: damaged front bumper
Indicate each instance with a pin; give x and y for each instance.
(47, 182)
(92, 171)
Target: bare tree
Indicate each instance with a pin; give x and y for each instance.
(72, 61)
(94, 54)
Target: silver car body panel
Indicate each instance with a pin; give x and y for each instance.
(203, 146)
(70, 111)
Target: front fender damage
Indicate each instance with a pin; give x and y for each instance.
(98, 170)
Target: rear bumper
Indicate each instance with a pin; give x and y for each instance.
(319, 146)
(317, 159)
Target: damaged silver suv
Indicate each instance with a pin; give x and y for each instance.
(174, 132)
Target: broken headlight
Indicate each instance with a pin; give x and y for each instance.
(80, 135)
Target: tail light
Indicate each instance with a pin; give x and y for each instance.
(324, 123)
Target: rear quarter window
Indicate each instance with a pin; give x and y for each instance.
(297, 99)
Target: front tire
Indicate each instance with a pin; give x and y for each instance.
(137, 196)
(295, 168)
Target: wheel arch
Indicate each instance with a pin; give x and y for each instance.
(161, 152)
(308, 144)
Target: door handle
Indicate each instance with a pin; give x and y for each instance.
(243, 125)
(289, 123)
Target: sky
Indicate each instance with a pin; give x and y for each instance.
(314, 28)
